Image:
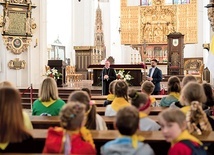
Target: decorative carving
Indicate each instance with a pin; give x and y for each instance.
(17, 20)
(17, 64)
(206, 46)
(153, 23)
(210, 13)
(16, 45)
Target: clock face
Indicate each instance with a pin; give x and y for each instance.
(175, 42)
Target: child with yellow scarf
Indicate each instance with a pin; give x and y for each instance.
(173, 127)
(127, 121)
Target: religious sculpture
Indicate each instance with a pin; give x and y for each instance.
(28, 24)
(6, 22)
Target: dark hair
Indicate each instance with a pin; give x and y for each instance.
(187, 79)
(127, 120)
(111, 86)
(155, 60)
(209, 94)
(82, 97)
(88, 91)
(174, 84)
(137, 98)
(148, 87)
(121, 89)
(72, 115)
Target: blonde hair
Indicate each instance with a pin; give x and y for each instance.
(48, 90)
(6, 84)
(11, 120)
(148, 87)
(173, 115)
(72, 115)
(187, 79)
(193, 91)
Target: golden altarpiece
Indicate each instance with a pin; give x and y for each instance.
(146, 27)
(17, 28)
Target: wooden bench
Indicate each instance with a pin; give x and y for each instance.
(154, 110)
(44, 122)
(99, 100)
(154, 138)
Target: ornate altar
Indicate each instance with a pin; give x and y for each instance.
(134, 70)
(154, 22)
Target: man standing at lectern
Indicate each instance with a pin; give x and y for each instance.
(108, 75)
(155, 76)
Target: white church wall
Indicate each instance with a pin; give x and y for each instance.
(34, 57)
(115, 46)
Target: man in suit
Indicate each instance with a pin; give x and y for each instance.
(155, 76)
(108, 75)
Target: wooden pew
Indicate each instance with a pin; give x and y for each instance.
(154, 110)
(44, 122)
(154, 138)
(99, 100)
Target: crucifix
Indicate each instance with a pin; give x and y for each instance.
(143, 54)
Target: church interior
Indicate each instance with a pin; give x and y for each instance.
(71, 41)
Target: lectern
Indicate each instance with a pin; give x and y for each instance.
(60, 66)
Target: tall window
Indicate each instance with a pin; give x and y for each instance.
(146, 2)
(177, 2)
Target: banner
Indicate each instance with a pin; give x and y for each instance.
(210, 60)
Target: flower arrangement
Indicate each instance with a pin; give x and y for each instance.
(121, 75)
(53, 73)
(165, 60)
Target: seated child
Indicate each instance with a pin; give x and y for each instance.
(72, 137)
(148, 87)
(185, 80)
(173, 90)
(127, 121)
(192, 97)
(173, 127)
(110, 96)
(93, 121)
(142, 102)
(210, 98)
(120, 100)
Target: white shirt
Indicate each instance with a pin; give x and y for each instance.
(152, 71)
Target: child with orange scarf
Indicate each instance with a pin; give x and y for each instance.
(173, 127)
(120, 100)
(72, 137)
(143, 103)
